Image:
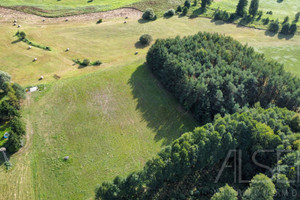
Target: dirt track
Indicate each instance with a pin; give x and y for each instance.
(8, 15)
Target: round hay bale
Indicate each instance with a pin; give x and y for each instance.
(19, 26)
(67, 20)
(68, 49)
(125, 22)
(15, 24)
(15, 21)
(66, 157)
(136, 53)
(29, 47)
(35, 59)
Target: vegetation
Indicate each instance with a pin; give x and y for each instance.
(203, 149)
(149, 14)
(145, 39)
(241, 8)
(11, 95)
(99, 21)
(86, 62)
(170, 13)
(22, 37)
(225, 193)
(253, 9)
(220, 75)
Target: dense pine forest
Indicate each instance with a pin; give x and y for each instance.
(246, 104)
(212, 74)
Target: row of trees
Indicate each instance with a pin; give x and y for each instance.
(212, 74)
(205, 147)
(11, 95)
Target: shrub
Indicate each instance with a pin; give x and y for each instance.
(179, 9)
(297, 16)
(85, 62)
(293, 29)
(17, 126)
(97, 63)
(4, 77)
(170, 13)
(274, 26)
(185, 11)
(285, 28)
(187, 3)
(20, 92)
(145, 39)
(266, 21)
(286, 19)
(149, 14)
(99, 21)
(14, 143)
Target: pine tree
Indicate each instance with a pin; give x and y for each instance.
(240, 9)
(253, 7)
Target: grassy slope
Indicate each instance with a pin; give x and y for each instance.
(280, 10)
(109, 122)
(137, 109)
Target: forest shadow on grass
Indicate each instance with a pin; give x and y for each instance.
(160, 110)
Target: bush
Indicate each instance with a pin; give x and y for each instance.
(293, 29)
(297, 16)
(170, 13)
(185, 11)
(274, 26)
(149, 14)
(187, 3)
(179, 9)
(20, 92)
(222, 15)
(99, 21)
(266, 21)
(286, 19)
(85, 62)
(17, 126)
(4, 77)
(285, 29)
(14, 143)
(145, 39)
(97, 63)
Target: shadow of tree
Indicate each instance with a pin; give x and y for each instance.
(284, 36)
(197, 12)
(159, 109)
(139, 45)
(16, 41)
(270, 33)
(217, 22)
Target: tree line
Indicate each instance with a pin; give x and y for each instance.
(11, 96)
(206, 147)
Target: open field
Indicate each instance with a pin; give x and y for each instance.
(110, 119)
(280, 9)
(112, 42)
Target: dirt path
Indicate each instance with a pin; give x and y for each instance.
(8, 15)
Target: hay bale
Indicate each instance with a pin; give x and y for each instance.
(15, 21)
(125, 22)
(35, 59)
(66, 158)
(126, 17)
(15, 24)
(19, 26)
(68, 49)
(67, 20)
(29, 47)
(136, 53)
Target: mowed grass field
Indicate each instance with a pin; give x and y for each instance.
(280, 9)
(110, 119)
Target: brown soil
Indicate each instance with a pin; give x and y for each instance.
(9, 15)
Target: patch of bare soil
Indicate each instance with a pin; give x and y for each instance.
(9, 15)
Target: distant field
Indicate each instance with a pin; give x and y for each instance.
(63, 7)
(280, 9)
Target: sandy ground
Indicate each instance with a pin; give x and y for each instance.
(9, 15)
